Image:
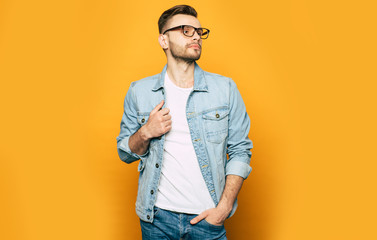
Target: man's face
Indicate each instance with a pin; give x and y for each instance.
(181, 47)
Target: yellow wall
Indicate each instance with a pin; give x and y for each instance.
(306, 71)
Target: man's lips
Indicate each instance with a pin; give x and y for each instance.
(197, 46)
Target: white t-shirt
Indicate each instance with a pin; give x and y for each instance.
(182, 187)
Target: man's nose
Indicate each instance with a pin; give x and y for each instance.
(196, 35)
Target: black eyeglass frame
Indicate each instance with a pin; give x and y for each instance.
(196, 30)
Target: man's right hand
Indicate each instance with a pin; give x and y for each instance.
(159, 122)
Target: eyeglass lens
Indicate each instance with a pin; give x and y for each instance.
(190, 31)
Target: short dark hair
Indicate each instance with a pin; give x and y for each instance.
(179, 9)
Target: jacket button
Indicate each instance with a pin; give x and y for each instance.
(148, 217)
(152, 191)
(157, 166)
(142, 120)
(217, 115)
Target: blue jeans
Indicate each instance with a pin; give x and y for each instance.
(174, 226)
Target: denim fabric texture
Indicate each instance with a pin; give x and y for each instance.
(170, 225)
(218, 123)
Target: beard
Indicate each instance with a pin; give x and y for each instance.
(182, 53)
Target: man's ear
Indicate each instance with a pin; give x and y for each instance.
(162, 39)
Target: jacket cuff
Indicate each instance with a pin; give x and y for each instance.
(238, 167)
(126, 154)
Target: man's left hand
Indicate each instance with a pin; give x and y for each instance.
(214, 216)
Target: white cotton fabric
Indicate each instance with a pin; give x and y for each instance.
(182, 187)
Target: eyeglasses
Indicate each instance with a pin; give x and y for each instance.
(189, 31)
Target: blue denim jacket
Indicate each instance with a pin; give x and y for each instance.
(218, 123)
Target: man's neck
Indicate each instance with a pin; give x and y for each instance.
(181, 73)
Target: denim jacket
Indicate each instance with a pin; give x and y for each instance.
(218, 123)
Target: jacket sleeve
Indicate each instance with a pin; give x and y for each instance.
(239, 144)
(128, 126)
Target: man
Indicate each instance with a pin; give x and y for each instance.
(181, 124)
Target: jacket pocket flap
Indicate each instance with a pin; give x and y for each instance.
(142, 118)
(217, 114)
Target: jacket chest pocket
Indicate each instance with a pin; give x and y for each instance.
(216, 125)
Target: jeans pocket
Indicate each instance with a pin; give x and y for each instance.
(212, 225)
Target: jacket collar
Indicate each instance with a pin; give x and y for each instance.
(200, 83)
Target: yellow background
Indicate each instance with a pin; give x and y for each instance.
(306, 71)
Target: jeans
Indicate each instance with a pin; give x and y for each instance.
(175, 226)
